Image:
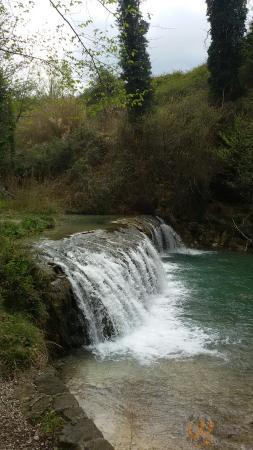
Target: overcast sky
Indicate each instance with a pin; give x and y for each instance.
(177, 34)
(178, 30)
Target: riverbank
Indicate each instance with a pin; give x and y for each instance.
(16, 432)
(38, 413)
(221, 227)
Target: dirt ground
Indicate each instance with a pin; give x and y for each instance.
(16, 433)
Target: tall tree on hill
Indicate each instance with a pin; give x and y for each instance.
(227, 19)
(134, 57)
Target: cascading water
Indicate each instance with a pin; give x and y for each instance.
(116, 277)
(165, 238)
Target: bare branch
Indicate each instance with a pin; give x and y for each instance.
(248, 239)
(101, 2)
(94, 61)
(25, 55)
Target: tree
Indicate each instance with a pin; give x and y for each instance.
(7, 124)
(105, 92)
(227, 19)
(134, 58)
(247, 54)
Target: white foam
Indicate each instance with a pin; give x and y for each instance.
(162, 333)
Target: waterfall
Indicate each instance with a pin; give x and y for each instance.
(114, 275)
(164, 238)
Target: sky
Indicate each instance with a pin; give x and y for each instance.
(178, 34)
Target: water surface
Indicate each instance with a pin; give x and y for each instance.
(67, 225)
(191, 357)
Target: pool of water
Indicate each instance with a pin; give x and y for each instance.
(183, 379)
(67, 225)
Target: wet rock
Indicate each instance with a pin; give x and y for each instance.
(66, 326)
(39, 406)
(50, 385)
(77, 431)
(73, 415)
(98, 444)
(64, 401)
(74, 436)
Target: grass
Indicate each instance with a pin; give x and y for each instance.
(179, 84)
(51, 422)
(28, 226)
(22, 344)
(22, 294)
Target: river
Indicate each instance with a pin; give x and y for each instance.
(182, 376)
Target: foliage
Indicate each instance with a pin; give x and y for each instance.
(46, 160)
(28, 226)
(6, 124)
(179, 156)
(27, 192)
(238, 156)
(21, 283)
(134, 58)
(106, 92)
(227, 19)
(51, 422)
(246, 72)
(174, 86)
(21, 344)
(49, 119)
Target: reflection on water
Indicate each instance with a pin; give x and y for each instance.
(74, 223)
(144, 400)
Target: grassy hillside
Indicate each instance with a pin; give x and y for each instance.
(185, 154)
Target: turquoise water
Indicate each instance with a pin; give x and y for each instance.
(191, 359)
(220, 301)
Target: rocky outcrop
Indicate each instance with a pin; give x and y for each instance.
(221, 227)
(49, 401)
(65, 326)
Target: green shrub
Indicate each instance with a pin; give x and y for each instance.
(237, 154)
(179, 84)
(21, 344)
(28, 226)
(22, 285)
(51, 422)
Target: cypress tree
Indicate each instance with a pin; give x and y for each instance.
(134, 57)
(227, 19)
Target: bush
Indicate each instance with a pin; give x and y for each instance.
(28, 226)
(173, 87)
(22, 285)
(50, 119)
(21, 344)
(237, 155)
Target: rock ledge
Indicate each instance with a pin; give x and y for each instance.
(49, 395)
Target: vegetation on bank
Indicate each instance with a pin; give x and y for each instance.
(185, 155)
(22, 296)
